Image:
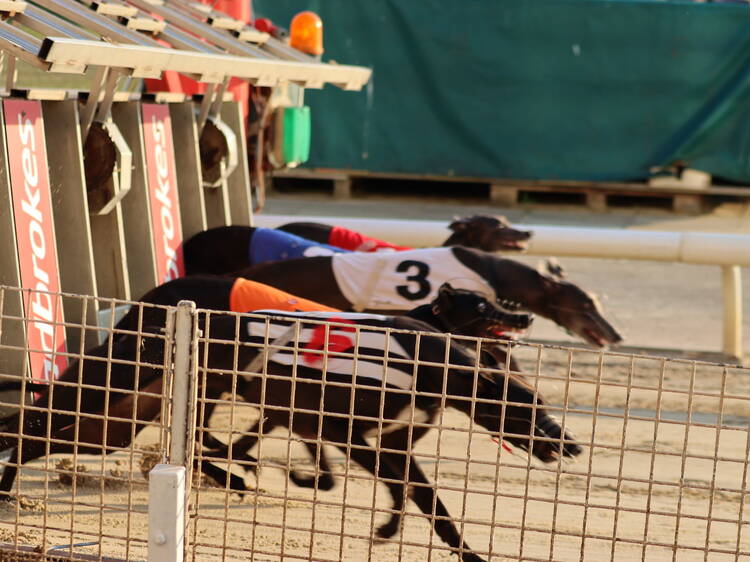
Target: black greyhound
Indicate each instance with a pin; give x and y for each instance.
(226, 249)
(485, 232)
(455, 311)
(409, 279)
(499, 402)
(458, 311)
(379, 407)
(403, 280)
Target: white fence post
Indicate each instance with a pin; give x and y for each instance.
(169, 484)
(167, 504)
(184, 389)
(732, 283)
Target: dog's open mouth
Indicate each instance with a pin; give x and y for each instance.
(517, 245)
(595, 338)
(505, 332)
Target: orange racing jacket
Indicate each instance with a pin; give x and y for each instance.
(247, 296)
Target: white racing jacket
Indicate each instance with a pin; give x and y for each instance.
(402, 280)
(348, 352)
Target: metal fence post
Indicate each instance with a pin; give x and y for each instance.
(169, 484)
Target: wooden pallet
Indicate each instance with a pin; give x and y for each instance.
(597, 196)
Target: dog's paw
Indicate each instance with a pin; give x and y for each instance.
(322, 482)
(471, 557)
(389, 529)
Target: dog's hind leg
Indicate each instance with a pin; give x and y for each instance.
(9, 476)
(424, 496)
(322, 479)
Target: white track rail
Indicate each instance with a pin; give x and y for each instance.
(730, 251)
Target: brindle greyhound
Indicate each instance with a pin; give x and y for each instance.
(498, 402)
(226, 249)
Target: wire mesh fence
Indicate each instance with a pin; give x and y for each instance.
(78, 439)
(661, 472)
(358, 437)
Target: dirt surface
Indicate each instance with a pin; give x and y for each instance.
(663, 477)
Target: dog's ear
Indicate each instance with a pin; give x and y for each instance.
(458, 224)
(501, 221)
(549, 284)
(555, 268)
(445, 288)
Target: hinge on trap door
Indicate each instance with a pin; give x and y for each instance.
(218, 143)
(108, 160)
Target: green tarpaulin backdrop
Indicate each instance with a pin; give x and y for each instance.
(535, 89)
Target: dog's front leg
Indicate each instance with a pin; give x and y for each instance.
(364, 455)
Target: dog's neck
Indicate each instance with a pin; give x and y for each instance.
(427, 315)
(509, 279)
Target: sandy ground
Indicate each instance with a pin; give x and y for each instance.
(663, 476)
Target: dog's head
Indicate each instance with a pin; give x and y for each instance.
(510, 408)
(469, 313)
(576, 310)
(488, 233)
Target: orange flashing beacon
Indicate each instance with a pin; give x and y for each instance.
(306, 33)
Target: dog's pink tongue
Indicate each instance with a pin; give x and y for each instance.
(508, 335)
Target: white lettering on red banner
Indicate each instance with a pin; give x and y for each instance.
(162, 187)
(35, 235)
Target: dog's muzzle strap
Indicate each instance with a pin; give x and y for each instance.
(261, 358)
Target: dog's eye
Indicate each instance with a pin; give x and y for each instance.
(482, 306)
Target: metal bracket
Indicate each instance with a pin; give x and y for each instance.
(145, 23)
(114, 9)
(12, 7)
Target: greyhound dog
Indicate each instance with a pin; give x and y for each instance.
(393, 282)
(227, 249)
(388, 389)
(489, 233)
(455, 311)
